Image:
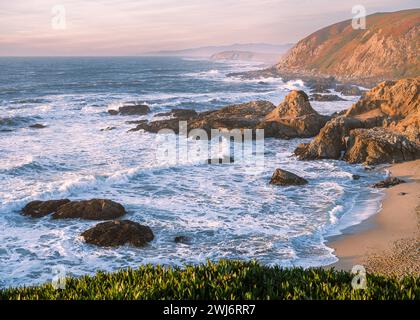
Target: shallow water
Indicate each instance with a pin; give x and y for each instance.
(227, 210)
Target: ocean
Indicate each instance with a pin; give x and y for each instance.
(227, 212)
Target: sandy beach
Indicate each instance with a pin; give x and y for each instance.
(388, 242)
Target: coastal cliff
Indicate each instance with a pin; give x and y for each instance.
(386, 50)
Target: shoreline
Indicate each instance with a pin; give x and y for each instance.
(386, 242)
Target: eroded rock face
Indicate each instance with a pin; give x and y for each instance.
(131, 110)
(38, 209)
(286, 178)
(378, 145)
(382, 127)
(118, 233)
(331, 141)
(95, 209)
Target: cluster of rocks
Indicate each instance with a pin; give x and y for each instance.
(382, 127)
(109, 234)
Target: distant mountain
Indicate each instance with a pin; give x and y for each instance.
(211, 50)
(246, 56)
(389, 48)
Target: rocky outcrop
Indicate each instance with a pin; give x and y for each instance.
(386, 49)
(95, 209)
(241, 116)
(348, 90)
(286, 178)
(378, 145)
(387, 123)
(118, 233)
(131, 110)
(38, 209)
(388, 183)
(293, 118)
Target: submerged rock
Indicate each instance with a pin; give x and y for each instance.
(118, 233)
(95, 209)
(37, 209)
(182, 239)
(37, 126)
(286, 178)
(389, 182)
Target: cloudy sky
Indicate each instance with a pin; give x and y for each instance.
(129, 27)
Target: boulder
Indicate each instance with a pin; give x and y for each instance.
(118, 233)
(378, 145)
(388, 182)
(37, 209)
(131, 110)
(286, 178)
(95, 209)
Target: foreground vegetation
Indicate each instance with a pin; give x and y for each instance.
(223, 280)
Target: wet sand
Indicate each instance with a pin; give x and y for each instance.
(388, 242)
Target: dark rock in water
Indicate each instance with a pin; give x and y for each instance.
(387, 183)
(326, 97)
(131, 110)
(286, 178)
(37, 209)
(37, 126)
(108, 129)
(181, 114)
(348, 90)
(182, 239)
(117, 233)
(95, 209)
(356, 177)
(263, 83)
(321, 87)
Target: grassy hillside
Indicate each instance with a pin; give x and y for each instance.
(224, 280)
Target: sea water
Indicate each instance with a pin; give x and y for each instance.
(227, 212)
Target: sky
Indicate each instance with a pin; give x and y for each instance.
(129, 27)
